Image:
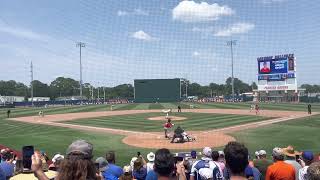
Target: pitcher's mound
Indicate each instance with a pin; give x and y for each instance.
(163, 118)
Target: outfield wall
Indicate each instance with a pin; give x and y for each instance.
(157, 90)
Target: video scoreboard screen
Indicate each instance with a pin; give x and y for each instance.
(276, 68)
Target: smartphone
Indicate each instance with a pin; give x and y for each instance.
(97, 166)
(138, 154)
(298, 158)
(178, 159)
(27, 152)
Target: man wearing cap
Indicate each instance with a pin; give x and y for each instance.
(291, 154)
(313, 172)
(262, 163)
(204, 168)
(56, 160)
(307, 159)
(280, 170)
(103, 164)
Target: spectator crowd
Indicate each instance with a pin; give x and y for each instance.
(233, 163)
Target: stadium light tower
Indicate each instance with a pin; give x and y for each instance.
(232, 43)
(80, 45)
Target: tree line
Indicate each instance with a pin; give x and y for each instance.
(66, 87)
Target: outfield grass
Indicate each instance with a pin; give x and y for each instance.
(302, 133)
(194, 121)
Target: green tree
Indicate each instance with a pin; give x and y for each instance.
(62, 86)
(40, 89)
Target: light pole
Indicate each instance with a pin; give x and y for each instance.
(80, 45)
(232, 43)
(104, 94)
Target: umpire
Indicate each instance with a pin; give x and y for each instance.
(309, 108)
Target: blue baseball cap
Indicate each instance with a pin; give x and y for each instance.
(193, 154)
(308, 155)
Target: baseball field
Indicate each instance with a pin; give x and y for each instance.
(130, 128)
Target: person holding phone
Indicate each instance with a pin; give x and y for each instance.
(7, 165)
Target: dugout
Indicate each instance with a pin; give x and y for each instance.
(157, 90)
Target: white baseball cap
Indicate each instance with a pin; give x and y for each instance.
(256, 153)
(151, 156)
(262, 152)
(207, 151)
(57, 157)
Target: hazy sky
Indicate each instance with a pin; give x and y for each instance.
(127, 40)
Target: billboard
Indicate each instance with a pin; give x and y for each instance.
(276, 68)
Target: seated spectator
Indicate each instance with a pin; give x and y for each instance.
(150, 163)
(77, 165)
(205, 168)
(280, 170)
(164, 167)
(139, 172)
(113, 171)
(307, 159)
(56, 161)
(262, 163)
(127, 173)
(236, 156)
(103, 164)
(313, 172)
(291, 154)
(6, 165)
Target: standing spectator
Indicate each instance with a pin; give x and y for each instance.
(6, 165)
(313, 172)
(113, 172)
(280, 170)
(205, 168)
(189, 162)
(307, 159)
(309, 108)
(252, 173)
(262, 163)
(236, 156)
(291, 154)
(139, 172)
(150, 163)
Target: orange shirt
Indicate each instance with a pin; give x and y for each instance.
(280, 171)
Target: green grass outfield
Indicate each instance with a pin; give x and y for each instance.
(303, 133)
(193, 121)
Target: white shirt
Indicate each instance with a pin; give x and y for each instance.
(150, 166)
(303, 173)
(206, 173)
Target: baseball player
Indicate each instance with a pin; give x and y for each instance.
(41, 114)
(309, 108)
(179, 108)
(167, 126)
(257, 109)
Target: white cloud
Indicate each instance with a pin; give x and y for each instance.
(195, 53)
(122, 13)
(22, 33)
(237, 28)
(141, 35)
(140, 12)
(190, 11)
(135, 12)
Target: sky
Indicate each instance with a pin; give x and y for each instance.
(142, 39)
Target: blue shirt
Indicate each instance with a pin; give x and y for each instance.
(140, 174)
(7, 168)
(152, 175)
(2, 175)
(113, 172)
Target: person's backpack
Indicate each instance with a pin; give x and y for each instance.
(217, 175)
